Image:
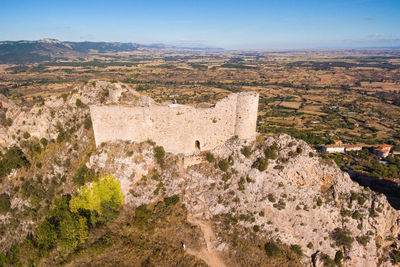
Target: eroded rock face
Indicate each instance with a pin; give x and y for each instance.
(299, 199)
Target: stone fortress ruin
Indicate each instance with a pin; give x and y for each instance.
(178, 128)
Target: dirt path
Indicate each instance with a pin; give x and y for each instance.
(209, 254)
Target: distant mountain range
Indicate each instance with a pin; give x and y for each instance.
(25, 52)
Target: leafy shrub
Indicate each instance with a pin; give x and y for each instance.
(210, 157)
(64, 96)
(5, 203)
(279, 167)
(395, 256)
(363, 240)
(299, 150)
(169, 201)
(353, 196)
(73, 232)
(83, 175)
(223, 165)
(261, 164)
(310, 245)
(260, 139)
(271, 152)
(319, 201)
(87, 123)
(246, 151)
(339, 257)
(230, 160)
(327, 261)
(342, 237)
(62, 135)
(26, 135)
(78, 103)
(280, 205)
(241, 186)
(2, 259)
(361, 200)
(356, 215)
(12, 255)
(159, 154)
(226, 176)
(13, 158)
(45, 235)
(272, 249)
(297, 249)
(256, 228)
(9, 122)
(44, 142)
(271, 198)
(292, 143)
(33, 146)
(345, 213)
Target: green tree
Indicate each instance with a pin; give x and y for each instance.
(4, 203)
(103, 199)
(73, 231)
(223, 165)
(261, 164)
(246, 151)
(78, 103)
(159, 154)
(271, 249)
(26, 135)
(44, 142)
(87, 123)
(210, 157)
(45, 235)
(14, 158)
(339, 257)
(83, 175)
(342, 237)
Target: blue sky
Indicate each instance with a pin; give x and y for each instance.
(229, 24)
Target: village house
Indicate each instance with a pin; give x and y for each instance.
(382, 151)
(333, 148)
(337, 142)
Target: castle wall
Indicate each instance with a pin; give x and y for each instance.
(175, 127)
(246, 115)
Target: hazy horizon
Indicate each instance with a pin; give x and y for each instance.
(309, 24)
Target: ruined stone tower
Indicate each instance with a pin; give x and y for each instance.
(178, 128)
(246, 115)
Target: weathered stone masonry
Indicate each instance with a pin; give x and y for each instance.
(178, 128)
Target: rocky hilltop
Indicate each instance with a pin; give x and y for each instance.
(269, 202)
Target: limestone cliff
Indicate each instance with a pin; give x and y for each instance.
(299, 199)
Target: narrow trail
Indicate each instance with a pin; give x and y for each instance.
(207, 253)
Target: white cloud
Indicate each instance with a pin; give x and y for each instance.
(376, 35)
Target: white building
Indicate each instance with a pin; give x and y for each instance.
(333, 148)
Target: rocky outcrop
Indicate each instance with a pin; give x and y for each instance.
(275, 187)
(299, 199)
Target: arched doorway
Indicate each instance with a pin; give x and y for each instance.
(197, 144)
